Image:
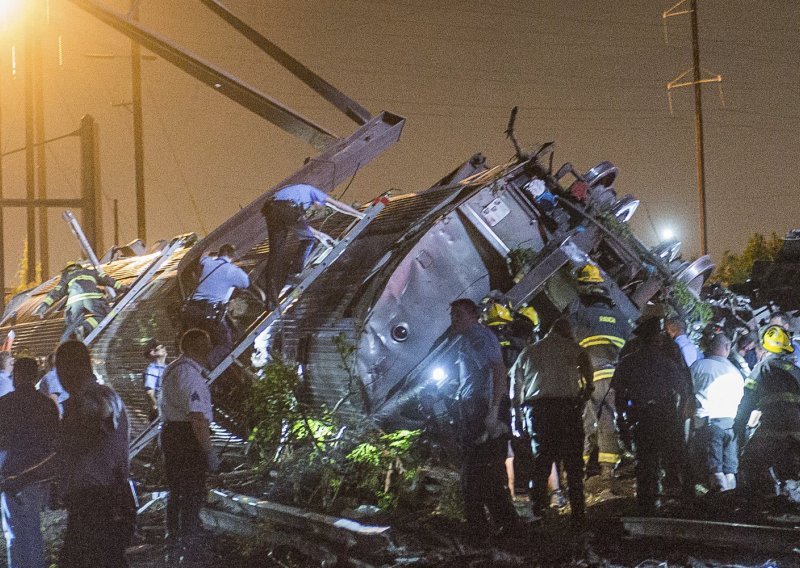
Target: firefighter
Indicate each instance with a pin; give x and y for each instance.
(773, 389)
(602, 329)
(86, 304)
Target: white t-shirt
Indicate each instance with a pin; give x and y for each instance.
(718, 387)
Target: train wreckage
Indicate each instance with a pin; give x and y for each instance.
(518, 230)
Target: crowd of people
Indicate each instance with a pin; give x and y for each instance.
(64, 440)
(695, 415)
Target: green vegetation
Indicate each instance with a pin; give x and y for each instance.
(322, 459)
(695, 310)
(736, 268)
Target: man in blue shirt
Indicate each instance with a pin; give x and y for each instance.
(206, 307)
(285, 216)
(156, 354)
(28, 428)
(51, 385)
(484, 429)
(6, 367)
(676, 328)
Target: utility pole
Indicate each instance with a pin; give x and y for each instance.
(41, 159)
(697, 82)
(138, 129)
(30, 167)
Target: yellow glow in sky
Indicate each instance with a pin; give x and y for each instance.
(10, 9)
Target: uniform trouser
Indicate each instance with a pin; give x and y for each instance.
(199, 315)
(185, 468)
(100, 524)
(82, 317)
(718, 446)
(658, 441)
(484, 484)
(599, 423)
(285, 220)
(557, 433)
(22, 525)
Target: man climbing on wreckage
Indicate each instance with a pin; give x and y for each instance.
(86, 304)
(290, 237)
(602, 329)
(773, 389)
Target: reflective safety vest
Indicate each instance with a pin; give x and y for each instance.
(602, 331)
(80, 284)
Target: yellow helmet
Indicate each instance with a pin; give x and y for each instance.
(530, 313)
(776, 340)
(498, 314)
(590, 274)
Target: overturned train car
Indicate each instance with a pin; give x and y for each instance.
(363, 329)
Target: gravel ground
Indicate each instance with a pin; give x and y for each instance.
(441, 542)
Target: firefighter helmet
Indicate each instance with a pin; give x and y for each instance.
(498, 314)
(776, 340)
(590, 274)
(71, 265)
(530, 313)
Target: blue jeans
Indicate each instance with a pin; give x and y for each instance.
(22, 525)
(719, 446)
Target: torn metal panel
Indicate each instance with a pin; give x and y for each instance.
(714, 533)
(343, 531)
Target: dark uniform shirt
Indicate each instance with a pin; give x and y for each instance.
(773, 388)
(602, 330)
(28, 427)
(651, 374)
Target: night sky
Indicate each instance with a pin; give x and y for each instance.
(589, 75)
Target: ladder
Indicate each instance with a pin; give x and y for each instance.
(263, 322)
(138, 286)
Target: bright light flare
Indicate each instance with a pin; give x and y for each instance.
(667, 234)
(438, 376)
(11, 8)
(12, 14)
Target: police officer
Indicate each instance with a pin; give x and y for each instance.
(285, 214)
(773, 388)
(552, 380)
(86, 304)
(206, 307)
(653, 386)
(482, 393)
(185, 408)
(602, 329)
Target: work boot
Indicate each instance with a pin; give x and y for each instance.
(730, 481)
(717, 482)
(557, 499)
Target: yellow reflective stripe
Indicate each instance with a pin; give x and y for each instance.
(603, 457)
(750, 384)
(82, 277)
(602, 340)
(603, 374)
(87, 296)
(779, 397)
(91, 321)
(48, 300)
